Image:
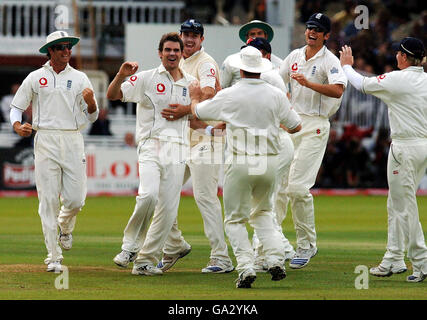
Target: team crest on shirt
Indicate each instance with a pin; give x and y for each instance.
(184, 92)
(334, 70)
(160, 87)
(43, 82)
(69, 82)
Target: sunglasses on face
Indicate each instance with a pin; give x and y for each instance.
(61, 47)
(317, 29)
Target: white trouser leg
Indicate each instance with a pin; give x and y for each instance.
(241, 192)
(280, 200)
(146, 201)
(74, 184)
(204, 175)
(165, 215)
(310, 144)
(406, 167)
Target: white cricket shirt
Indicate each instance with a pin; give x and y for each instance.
(230, 75)
(405, 94)
(57, 101)
(202, 66)
(153, 90)
(253, 111)
(324, 68)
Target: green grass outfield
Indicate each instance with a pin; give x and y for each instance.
(351, 232)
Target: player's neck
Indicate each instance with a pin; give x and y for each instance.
(175, 73)
(58, 66)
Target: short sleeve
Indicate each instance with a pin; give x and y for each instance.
(207, 75)
(335, 72)
(284, 70)
(133, 89)
(24, 95)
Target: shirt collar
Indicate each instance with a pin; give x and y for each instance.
(161, 69)
(195, 54)
(414, 68)
(47, 65)
(319, 53)
(252, 80)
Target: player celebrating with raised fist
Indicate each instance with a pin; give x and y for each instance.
(62, 103)
(404, 92)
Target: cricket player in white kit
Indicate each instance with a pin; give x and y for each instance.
(253, 29)
(317, 83)
(405, 94)
(162, 151)
(205, 157)
(62, 104)
(280, 199)
(253, 111)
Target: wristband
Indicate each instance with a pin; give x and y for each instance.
(208, 130)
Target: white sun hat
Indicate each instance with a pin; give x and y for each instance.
(56, 37)
(250, 59)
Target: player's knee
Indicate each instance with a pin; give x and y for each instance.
(73, 203)
(296, 191)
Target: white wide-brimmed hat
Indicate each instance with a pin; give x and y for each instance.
(56, 37)
(250, 59)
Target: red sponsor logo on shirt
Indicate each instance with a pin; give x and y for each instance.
(161, 88)
(395, 172)
(318, 131)
(133, 78)
(294, 67)
(212, 74)
(43, 82)
(380, 77)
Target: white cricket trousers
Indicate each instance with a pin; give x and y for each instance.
(280, 198)
(161, 170)
(60, 174)
(203, 166)
(407, 164)
(310, 145)
(248, 198)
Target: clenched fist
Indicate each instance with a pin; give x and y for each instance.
(127, 69)
(89, 98)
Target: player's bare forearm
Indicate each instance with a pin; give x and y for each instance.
(207, 93)
(89, 98)
(194, 103)
(197, 124)
(329, 90)
(114, 91)
(23, 130)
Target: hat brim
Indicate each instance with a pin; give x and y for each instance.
(261, 25)
(72, 40)
(236, 62)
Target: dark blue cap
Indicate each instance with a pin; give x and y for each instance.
(319, 20)
(259, 43)
(412, 47)
(192, 25)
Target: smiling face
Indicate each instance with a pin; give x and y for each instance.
(192, 42)
(314, 38)
(58, 56)
(170, 55)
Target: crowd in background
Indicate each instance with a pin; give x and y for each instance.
(355, 157)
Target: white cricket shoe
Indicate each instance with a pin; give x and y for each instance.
(168, 261)
(54, 267)
(66, 240)
(246, 278)
(146, 270)
(124, 258)
(381, 271)
(218, 266)
(302, 257)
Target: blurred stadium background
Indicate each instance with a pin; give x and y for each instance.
(112, 31)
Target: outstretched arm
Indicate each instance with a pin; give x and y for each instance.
(347, 60)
